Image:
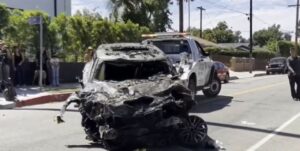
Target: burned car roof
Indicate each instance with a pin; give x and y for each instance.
(129, 51)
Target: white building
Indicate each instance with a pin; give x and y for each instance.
(52, 7)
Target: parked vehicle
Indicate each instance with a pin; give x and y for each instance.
(277, 65)
(222, 71)
(132, 98)
(188, 56)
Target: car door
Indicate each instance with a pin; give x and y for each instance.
(198, 63)
(206, 63)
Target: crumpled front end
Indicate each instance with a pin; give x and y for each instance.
(125, 115)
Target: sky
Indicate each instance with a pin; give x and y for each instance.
(265, 13)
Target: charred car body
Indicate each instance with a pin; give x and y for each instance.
(132, 98)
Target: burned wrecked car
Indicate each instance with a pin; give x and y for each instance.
(132, 98)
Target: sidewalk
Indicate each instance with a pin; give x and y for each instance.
(32, 95)
(245, 74)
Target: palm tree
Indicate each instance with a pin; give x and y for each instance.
(150, 13)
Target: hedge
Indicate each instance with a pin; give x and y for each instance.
(261, 54)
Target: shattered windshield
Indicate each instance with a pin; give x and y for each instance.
(125, 70)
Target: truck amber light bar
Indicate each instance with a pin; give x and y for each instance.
(162, 35)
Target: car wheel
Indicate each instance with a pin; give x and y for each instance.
(214, 88)
(226, 80)
(192, 131)
(267, 72)
(193, 87)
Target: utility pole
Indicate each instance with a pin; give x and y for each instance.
(55, 8)
(180, 15)
(251, 38)
(189, 14)
(297, 24)
(201, 9)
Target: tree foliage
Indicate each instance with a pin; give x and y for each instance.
(68, 36)
(219, 34)
(4, 18)
(153, 14)
(260, 54)
(262, 37)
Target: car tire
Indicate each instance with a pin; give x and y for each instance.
(192, 131)
(267, 72)
(214, 88)
(193, 87)
(226, 80)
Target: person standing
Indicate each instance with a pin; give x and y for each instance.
(45, 64)
(5, 63)
(293, 65)
(88, 56)
(18, 60)
(54, 61)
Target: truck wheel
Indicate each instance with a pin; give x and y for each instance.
(192, 86)
(214, 88)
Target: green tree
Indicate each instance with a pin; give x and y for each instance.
(68, 35)
(194, 31)
(153, 14)
(20, 33)
(221, 34)
(4, 19)
(262, 37)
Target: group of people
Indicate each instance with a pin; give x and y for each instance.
(50, 68)
(293, 65)
(12, 66)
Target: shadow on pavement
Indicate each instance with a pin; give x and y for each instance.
(170, 148)
(253, 129)
(206, 105)
(40, 109)
(178, 148)
(87, 146)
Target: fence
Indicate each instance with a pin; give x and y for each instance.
(259, 64)
(68, 72)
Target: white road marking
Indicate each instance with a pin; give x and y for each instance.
(247, 123)
(268, 137)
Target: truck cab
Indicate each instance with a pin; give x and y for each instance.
(190, 59)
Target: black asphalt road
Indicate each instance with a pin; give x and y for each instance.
(250, 114)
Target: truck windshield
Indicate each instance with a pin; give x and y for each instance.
(173, 46)
(126, 70)
(278, 60)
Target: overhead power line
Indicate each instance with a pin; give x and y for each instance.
(224, 7)
(266, 23)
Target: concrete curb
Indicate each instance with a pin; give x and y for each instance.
(7, 105)
(44, 99)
